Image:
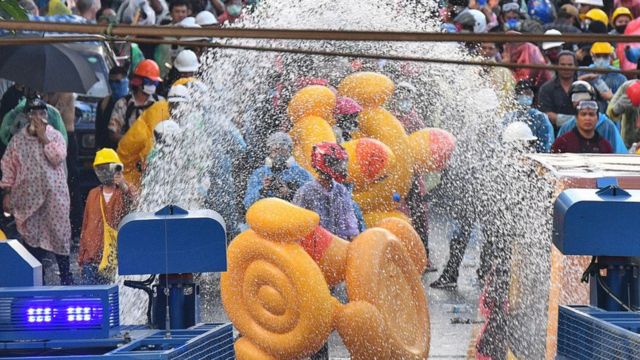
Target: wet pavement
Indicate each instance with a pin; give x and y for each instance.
(448, 340)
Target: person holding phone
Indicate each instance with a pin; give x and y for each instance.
(34, 185)
(106, 205)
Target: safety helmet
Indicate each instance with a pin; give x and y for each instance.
(517, 131)
(178, 94)
(189, 21)
(148, 69)
(541, 11)
(633, 93)
(106, 156)
(206, 18)
(472, 18)
(621, 11)
(551, 45)
(602, 48)
(166, 128)
(597, 15)
(326, 157)
(186, 61)
(580, 87)
(34, 103)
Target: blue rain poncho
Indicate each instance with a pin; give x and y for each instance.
(294, 175)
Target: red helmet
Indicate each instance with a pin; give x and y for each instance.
(148, 69)
(330, 159)
(633, 93)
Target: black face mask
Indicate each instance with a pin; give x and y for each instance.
(620, 29)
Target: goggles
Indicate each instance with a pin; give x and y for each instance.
(579, 97)
(146, 81)
(510, 7)
(589, 105)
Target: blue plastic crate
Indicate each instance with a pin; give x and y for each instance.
(586, 332)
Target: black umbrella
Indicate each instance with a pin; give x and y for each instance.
(47, 68)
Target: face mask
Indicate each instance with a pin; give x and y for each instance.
(620, 29)
(119, 88)
(405, 105)
(149, 89)
(525, 100)
(585, 25)
(553, 56)
(234, 10)
(601, 62)
(512, 24)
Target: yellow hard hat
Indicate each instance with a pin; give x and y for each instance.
(602, 48)
(598, 15)
(106, 156)
(621, 11)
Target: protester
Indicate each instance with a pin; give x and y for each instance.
(526, 53)
(537, 121)
(327, 195)
(605, 84)
(583, 138)
(146, 78)
(582, 90)
(35, 188)
(619, 20)
(280, 176)
(106, 205)
(119, 86)
(551, 50)
(553, 97)
(566, 20)
(623, 109)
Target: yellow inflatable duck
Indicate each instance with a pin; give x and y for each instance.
(276, 288)
(383, 159)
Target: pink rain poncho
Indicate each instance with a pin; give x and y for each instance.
(633, 28)
(526, 53)
(35, 174)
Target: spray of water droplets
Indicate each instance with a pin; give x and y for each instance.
(487, 182)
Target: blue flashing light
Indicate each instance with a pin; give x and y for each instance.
(50, 312)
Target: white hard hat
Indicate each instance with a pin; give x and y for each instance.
(166, 127)
(480, 25)
(549, 45)
(205, 18)
(591, 2)
(186, 61)
(178, 94)
(517, 131)
(188, 22)
(407, 85)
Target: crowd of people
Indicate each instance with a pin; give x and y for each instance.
(562, 111)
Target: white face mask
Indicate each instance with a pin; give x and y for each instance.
(149, 89)
(601, 62)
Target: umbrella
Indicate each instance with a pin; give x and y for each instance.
(47, 68)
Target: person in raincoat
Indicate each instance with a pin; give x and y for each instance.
(327, 195)
(280, 176)
(537, 121)
(526, 53)
(623, 109)
(16, 119)
(106, 205)
(605, 84)
(34, 183)
(581, 91)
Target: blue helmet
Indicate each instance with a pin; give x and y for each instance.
(541, 10)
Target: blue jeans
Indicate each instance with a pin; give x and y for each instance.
(91, 276)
